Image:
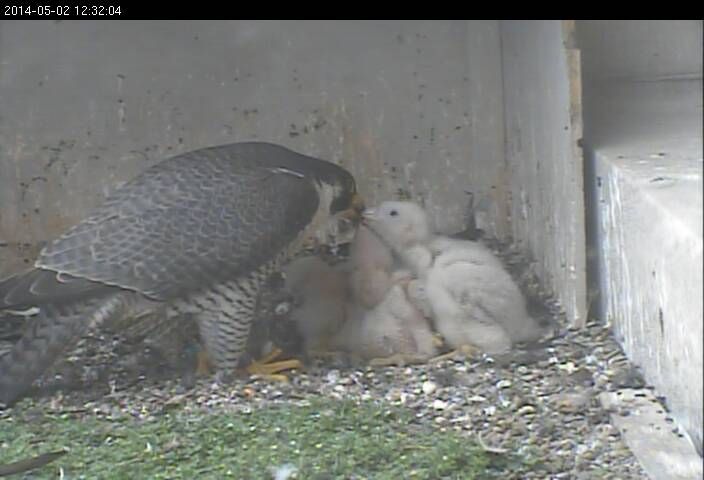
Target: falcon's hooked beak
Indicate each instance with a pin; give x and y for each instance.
(354, 213)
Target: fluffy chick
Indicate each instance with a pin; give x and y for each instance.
(474, 300)
(370, 268)
(394, 331)
(383, 325)
(320, 294)
(361, 307)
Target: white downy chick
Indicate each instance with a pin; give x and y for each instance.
(475, 276)
(381, 321)
(395, 330)
(361, 308)
(473, 299)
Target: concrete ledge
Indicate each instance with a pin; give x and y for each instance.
(650, 434)
(648, 165)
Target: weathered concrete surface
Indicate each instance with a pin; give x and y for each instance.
(641, 49)
(652, 436)
(407, 105)
(648, 154)
(542, 110)
(643, 172)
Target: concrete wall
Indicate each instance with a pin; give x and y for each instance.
(643, 132)
(640, 50)
(406, 105)
(542, 112)
(651, 245)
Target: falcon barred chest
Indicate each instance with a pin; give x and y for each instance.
(196, 234)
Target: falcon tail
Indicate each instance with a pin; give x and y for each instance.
(57, 328)
(41, 286)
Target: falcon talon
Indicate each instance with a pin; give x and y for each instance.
(258, 368)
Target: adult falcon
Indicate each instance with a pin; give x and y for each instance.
(196, 234)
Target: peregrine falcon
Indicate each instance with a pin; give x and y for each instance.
(195, 234)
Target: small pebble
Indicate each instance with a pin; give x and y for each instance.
(503, 384)
(525, 410)
(490, 410)
(428, 387)
(572, 402)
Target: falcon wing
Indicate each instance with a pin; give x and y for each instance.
(188, 222)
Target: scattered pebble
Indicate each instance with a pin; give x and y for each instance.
(429, 387)
(503, 384)
(537, 403)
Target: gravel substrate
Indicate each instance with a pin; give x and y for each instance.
(540, 402)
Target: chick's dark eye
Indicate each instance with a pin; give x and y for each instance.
(393, 213)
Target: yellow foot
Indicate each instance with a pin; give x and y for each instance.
(464, 351)
(267, 368)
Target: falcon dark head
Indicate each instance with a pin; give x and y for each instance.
(345, 193)
(345, 200)
(334, 183)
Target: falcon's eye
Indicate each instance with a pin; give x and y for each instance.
(393, 213)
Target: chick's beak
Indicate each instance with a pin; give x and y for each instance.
(354, 213)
